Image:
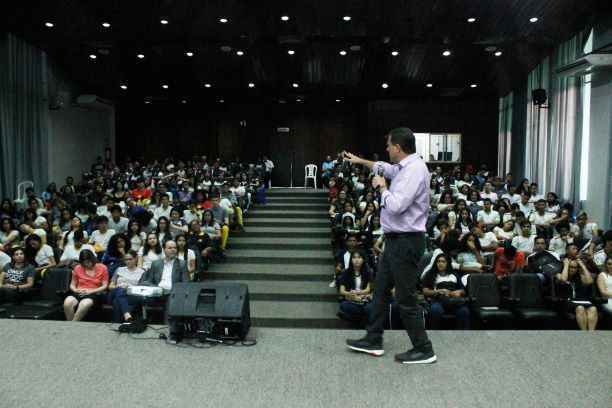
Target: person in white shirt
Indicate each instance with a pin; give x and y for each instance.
(73, 250)
(4, 259)
(164, 209)
(505, 233)
(559, 243)
(186, 254)
(100, 237)
(269, 167)
(583, 229)
(512, 195)
(488, 216)
(116, 222)
(123, 278)
(525, 206)
(488, 241)
(552, 203)
(541, 219)
(150, 252)
(525, 241)
(488, 192)
(533, 190)
(600, 257)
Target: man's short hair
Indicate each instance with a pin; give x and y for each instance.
(115, 208)
(404, 138)
(487, 200)
(541, 201)
(102, 219)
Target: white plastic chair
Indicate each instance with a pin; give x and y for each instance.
(310, 173)
(21, 191)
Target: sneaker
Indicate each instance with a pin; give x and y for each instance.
(416, 357)
(367, 345)
(332, 284)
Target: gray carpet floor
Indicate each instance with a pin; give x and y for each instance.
(60, 364)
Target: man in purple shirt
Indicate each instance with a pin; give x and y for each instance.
(404, 207)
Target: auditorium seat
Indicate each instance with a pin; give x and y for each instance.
(55, 284)
(528, 300)
(485, 298)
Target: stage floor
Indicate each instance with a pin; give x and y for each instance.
(60, 364)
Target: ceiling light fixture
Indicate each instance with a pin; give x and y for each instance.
(251, 85)
(471, 20)
(342, 52)
(385, 85)
(338, 100)
(290, 52)
(473, 85)
(147, 102)
(221, 100)
(395, 53)
(285, 18)
(207, 85)
(346, 18)
(106, 25)
(223, 20)
(165, 86)
(189, 54)
(163, 21)
(533, 20)
(49, 25)
(498, 53)
(239, 53)
(429, 85)
(93, 56)
(140, 56)
(123, 86)
(446, 53)
(295, 85)
(298, 100)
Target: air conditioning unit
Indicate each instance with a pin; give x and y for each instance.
(93, 102)
(590, 63)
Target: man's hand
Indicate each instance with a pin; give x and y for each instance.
(379, 181)
(351, 157)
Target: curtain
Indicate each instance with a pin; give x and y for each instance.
(24, 115)
(563, 167)
(504, 135)
(536, 146)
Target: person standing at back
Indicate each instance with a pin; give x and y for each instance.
(404, 209)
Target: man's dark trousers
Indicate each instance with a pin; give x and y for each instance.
(398, 267)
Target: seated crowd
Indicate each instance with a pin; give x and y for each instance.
(478, 223)
(121, 226)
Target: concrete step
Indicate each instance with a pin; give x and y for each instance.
(241, 239)
(296, 314)
(291, 291)
(289, 245)
(268, 271)
(284, 222)
(297, 191)
(281, 214)
(286, 232)
(292, 260)
(294, 206)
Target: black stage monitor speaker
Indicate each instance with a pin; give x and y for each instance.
(218, 308)
(538, 96)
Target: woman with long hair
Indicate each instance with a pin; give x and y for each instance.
(163, 230)
(151, 251)
(8, 234)
(185, 253)
(355, 288)
(124, 277)
(117, 247)
(38, 253)
(444, 289)
(135, 235)
(16, 278)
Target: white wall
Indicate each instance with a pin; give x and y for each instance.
(76, 137)
(599, 195)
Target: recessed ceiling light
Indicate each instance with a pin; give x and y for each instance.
(165, 86)
(385, 85)
(106, 25)
(298, 100)
(93, 56)
(346, 18)
(342, 52)
(533, 20)
(207, 85)
(285, 18)
(184, 101)
(189, 54)
(338, 100)
(240, 53)
(355, 47)
(446, 53)
(223, 20)
(147, 102)
(498, 53)
(282, 101)
(251, 85)
(290, 52)
(140, 56)
(471, 20)
(49, 24)
(395, 53)
(123, 86)
(295, 85)
(473, 85)
(163, 21)
(221, 100)
(429, 85)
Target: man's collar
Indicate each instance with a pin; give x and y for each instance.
(408, 159)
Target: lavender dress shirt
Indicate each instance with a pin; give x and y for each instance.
(405, 204)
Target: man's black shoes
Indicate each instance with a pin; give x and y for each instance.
(368, 345)
(416, 357)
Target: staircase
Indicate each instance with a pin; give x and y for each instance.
(285, 258)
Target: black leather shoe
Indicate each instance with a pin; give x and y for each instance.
(373, 347)
(416, 357)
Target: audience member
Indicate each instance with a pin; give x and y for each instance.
(89, 281)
